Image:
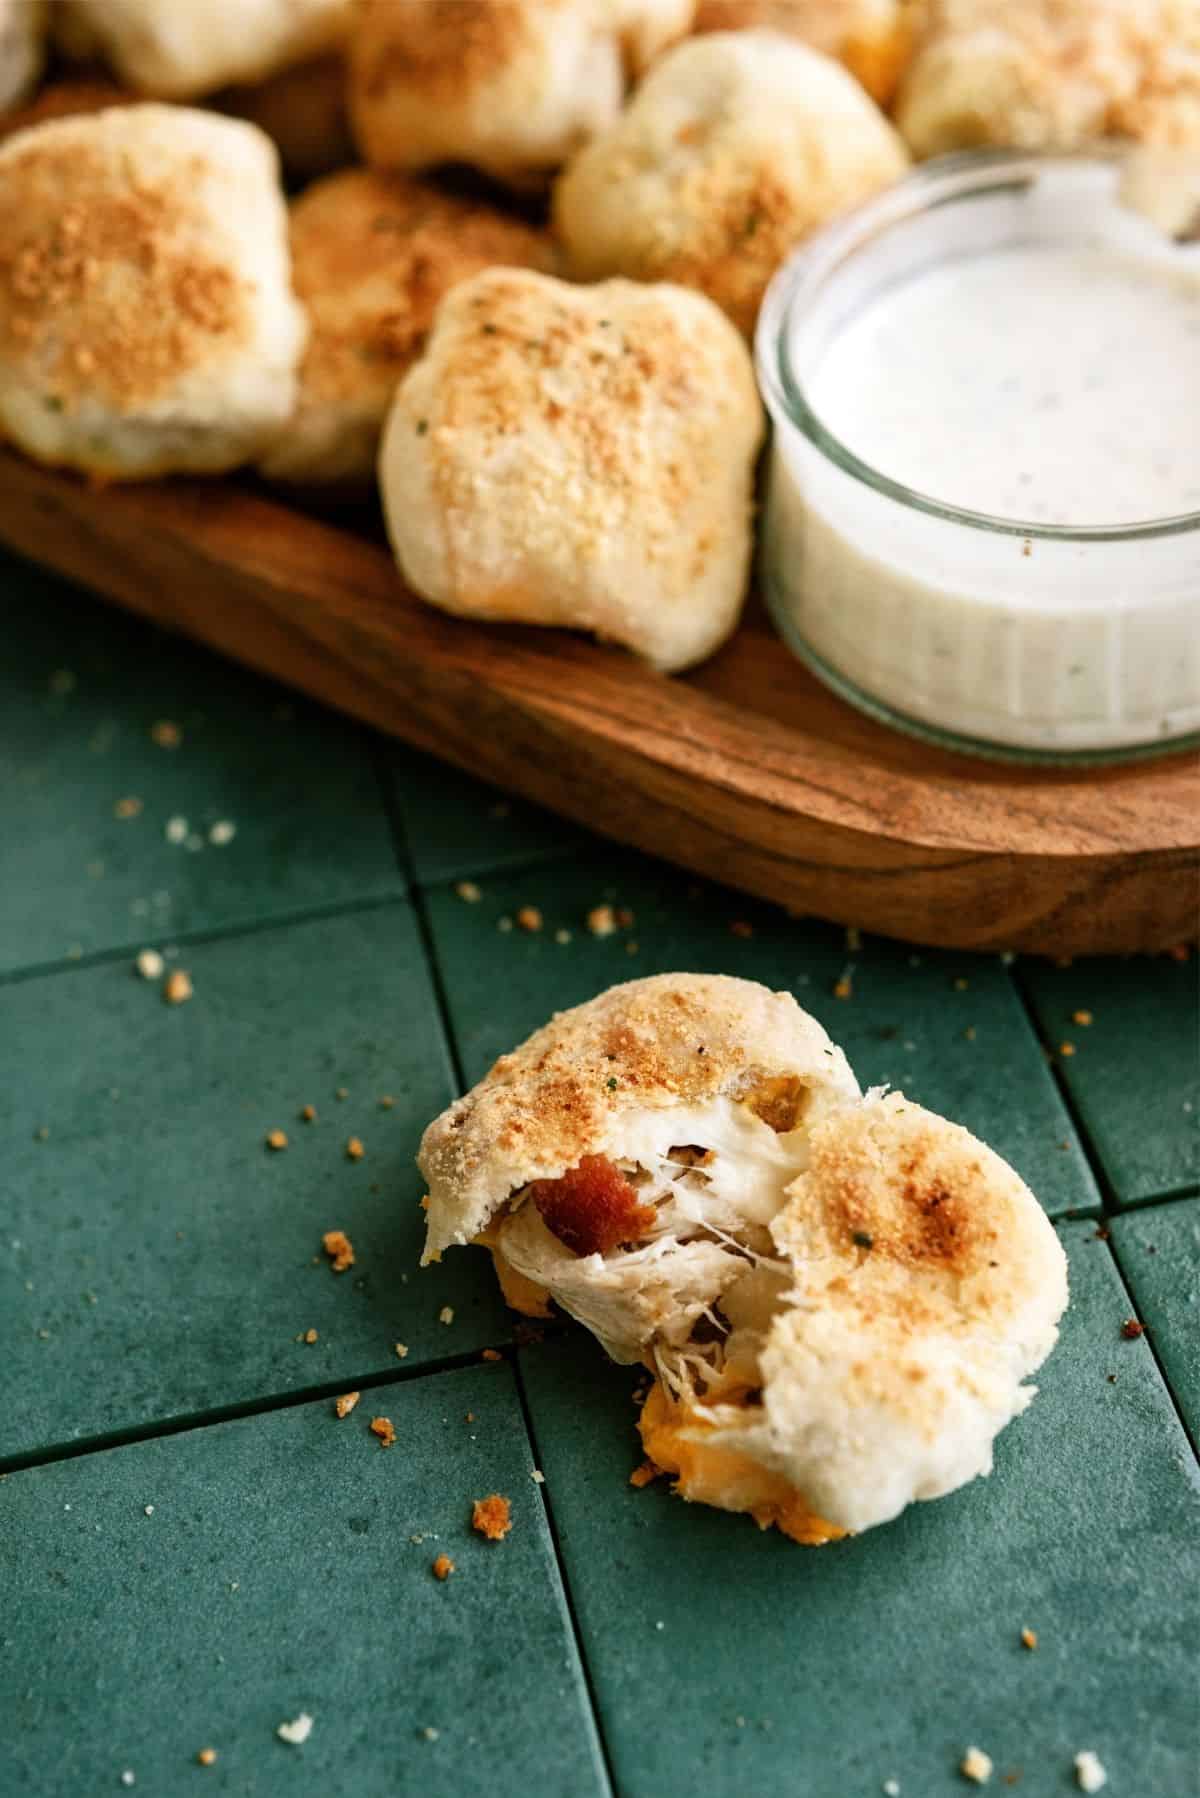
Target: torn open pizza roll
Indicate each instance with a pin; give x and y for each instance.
(839, 1297)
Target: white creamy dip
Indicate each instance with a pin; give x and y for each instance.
(1030, 352)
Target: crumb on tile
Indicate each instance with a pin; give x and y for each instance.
(207, 1757)
(1066, 1049)
(562, 936)
(537, 1476)
(176, 830)
(386, 1102)
(1082, 1018)
(602, 920)
(341, 1092)
(446, 1314)
(354, 1149)
(177, 987)
(308, 1113)
(468, 892)
(277, 1139)
(340, 1250)
(644, 1473)
(843, 988)
(976, 1765)
(346, 1403)
(443, 1567)
(1090, 1772)
(960, 986)
(492, 1516)
(297, 1731)
(150, 964)
(490, 1354)
(166, 734)
(401, 1349)
(429, 1734)
(1029, 1637)
(129, 807)
(384, 1429)
(529, 919)
(222, 832)
(1131, 1329)
(311, 1336)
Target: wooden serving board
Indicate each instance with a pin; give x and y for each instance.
(747, 770)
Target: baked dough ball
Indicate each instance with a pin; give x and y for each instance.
(303, 112)
(372, 255)
(840, 1297)
(733, 149)
(578, 457)
(147, 322)
(1052, 74)
(22, 48)
(511, 86)
(872, 37)
(179, 49)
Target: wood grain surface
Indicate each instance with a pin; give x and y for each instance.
(747, 771)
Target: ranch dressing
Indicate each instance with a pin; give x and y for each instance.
(1032, 355)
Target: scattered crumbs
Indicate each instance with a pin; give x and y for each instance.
(601, 920)
(491, 1355)
(562, 936)
(1131, 1329)
(311, 1336)
(401, 1349)
(177, 987)
(469, 1417)
(660, 1624)
(1101, 1233)
(308, 1113)
(340, 1250)
(504, 925)
(277, 1139)
(207, 1757)
(891, 1788)
(529, 919)
(1028, 1637)
(468, 891)
(384, 1429)
(537, 1476)
(1026, 547)
(128, 807)
(166, 734)
(129, 1777)
(446, 1314)
(1082, 1018)
(354, 1149)
(843, 988)
(492, 1517)
(222, 832)
(1090, 1772)
(148, 1510)
(386, 1102)
(644, 1473)
(346, 1403)
(341, 1092)
(62, 682)
(969, 1033)
(975, 1764)
(149, 964)
(429, 1734)
(1066, 1049)
(741, 927)
(961, 985)
(443, 1567)
(297, 1731)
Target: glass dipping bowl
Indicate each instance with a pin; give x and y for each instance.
(1004, 637)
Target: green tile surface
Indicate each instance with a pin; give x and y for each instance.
(1134, 1076)
(157, 1264)
(739, 1655)
(1159, 1253)
(278, 1574)
(81, 687)
(906, 1023)
(455, 826)
(156, 1259)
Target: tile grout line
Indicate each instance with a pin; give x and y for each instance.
(191, 939)
(441, 1001)
(1148, 1338)
(231, 1413)
(564, 1581)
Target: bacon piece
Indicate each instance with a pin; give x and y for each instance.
(592, 1208)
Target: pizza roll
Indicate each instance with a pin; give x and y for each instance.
(372, 255)
(1052, 74)
(872, 37)
(580, 457)
(22, 48)
(510, 86)
(179, 49)
(147, 322)
(734, 148)
(839, 1296)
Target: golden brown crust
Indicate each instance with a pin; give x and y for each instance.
(872, 37)
(63, 100)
